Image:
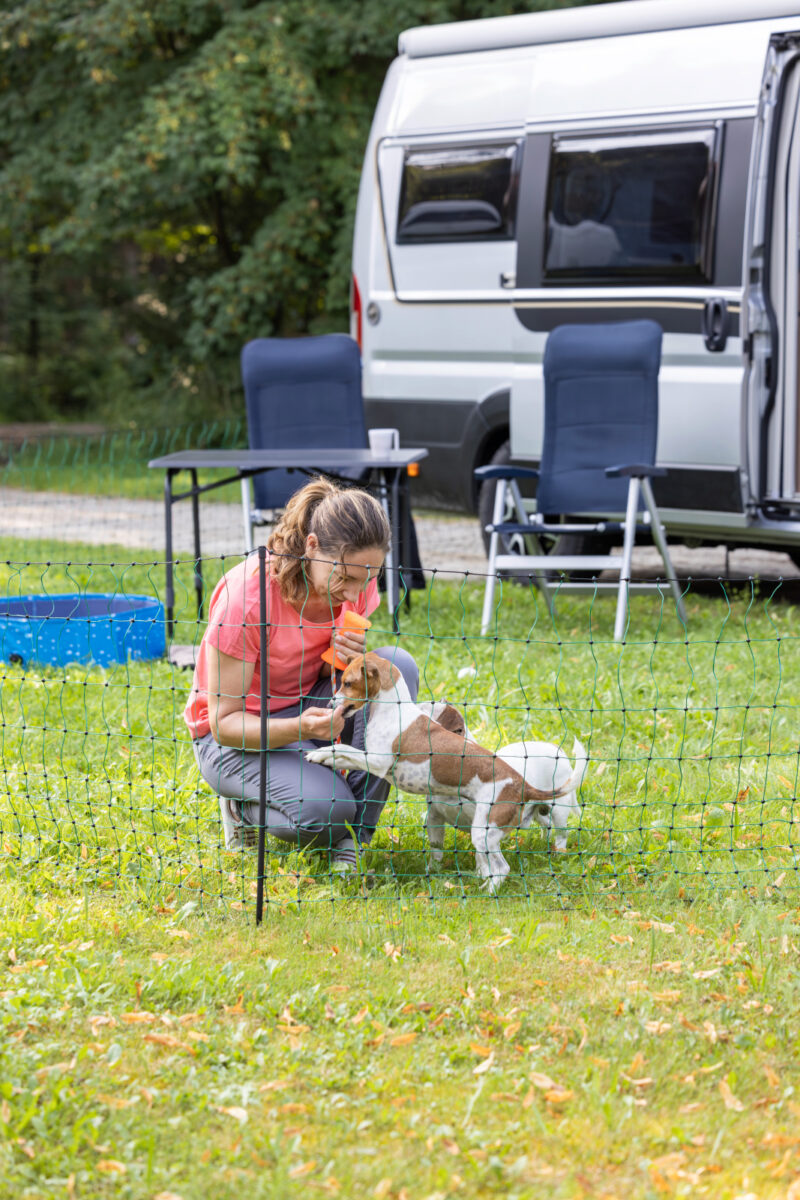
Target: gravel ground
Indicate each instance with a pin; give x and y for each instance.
(448, 543)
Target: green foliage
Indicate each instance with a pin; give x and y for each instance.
(178, 178)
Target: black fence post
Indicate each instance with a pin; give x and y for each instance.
(262, 775)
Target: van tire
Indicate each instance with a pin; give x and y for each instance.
(568, 543)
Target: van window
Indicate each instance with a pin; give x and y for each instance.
(458, 193)
(634, 208)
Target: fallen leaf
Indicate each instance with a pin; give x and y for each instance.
(481, 1051)
(728, 1097)
(110, 1166)
(302, 1169)
(657, 1027)
(138, 1018)
(235, 1111)
(402, 1039)
(484, 1066)
(170, 1042)
(543, 1082)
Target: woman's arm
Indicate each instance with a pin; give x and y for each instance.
(227, 685)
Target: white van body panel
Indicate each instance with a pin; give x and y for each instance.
(453, 342)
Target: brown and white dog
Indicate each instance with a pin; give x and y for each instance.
(422, 757)
(541, 763)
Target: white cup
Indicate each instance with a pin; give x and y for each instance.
(382, 440)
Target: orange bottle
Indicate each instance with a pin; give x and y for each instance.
(350, 620)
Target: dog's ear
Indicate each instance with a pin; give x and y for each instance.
(373, 675)
(450, 718)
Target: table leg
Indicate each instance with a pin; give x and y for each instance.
(393, 575)
(170, 586)
(406, 511)
(198, 565)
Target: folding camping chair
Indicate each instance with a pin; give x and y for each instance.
(298, 392)
(306, 392)
(598, 456)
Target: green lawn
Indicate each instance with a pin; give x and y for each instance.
(393, 1050)
(115, 463)
(693, 742)
(622, 1021)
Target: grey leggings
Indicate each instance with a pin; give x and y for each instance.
(308, 804)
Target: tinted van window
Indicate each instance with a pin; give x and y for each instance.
(458, 193)
(631, 208)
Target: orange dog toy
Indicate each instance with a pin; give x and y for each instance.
(350, 620)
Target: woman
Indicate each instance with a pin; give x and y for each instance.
(323, 558)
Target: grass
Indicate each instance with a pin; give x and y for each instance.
(620, 1022)
(503, 1051)
(693, 739)
(115, 463)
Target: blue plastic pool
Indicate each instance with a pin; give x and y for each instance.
(99, 628)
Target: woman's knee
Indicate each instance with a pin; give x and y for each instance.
(324, 823)
(405, 664)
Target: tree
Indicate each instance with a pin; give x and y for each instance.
(176, 178)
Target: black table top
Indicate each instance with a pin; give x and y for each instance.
(345, 457)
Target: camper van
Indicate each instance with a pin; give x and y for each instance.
(634, 159)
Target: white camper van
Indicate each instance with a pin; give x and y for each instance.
(593, 164)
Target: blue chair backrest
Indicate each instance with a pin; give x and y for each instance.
(600, 410)
(301, 393)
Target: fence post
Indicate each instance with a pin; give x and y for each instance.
(262, 773)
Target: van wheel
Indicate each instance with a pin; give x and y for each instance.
(567, 543)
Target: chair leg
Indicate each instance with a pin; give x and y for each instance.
(661, 542)
(533, 545)
(248, 524)
(491, 578)
(627, 558)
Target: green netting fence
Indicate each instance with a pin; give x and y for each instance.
(692, 731)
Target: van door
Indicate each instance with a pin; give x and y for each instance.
(771, 421)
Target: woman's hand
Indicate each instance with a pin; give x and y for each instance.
(349, 643)
(321, 724)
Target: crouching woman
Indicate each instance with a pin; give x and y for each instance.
(323, 559)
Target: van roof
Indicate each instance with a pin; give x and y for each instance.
(589, 21)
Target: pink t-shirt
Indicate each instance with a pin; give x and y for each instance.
(294, 643)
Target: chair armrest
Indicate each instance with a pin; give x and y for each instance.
(506, 472)
(637, 470)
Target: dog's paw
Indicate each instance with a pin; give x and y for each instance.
(325, 755)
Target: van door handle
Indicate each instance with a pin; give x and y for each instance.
(508, 279)
(716, 324)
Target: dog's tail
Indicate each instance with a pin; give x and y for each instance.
(581, 763)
